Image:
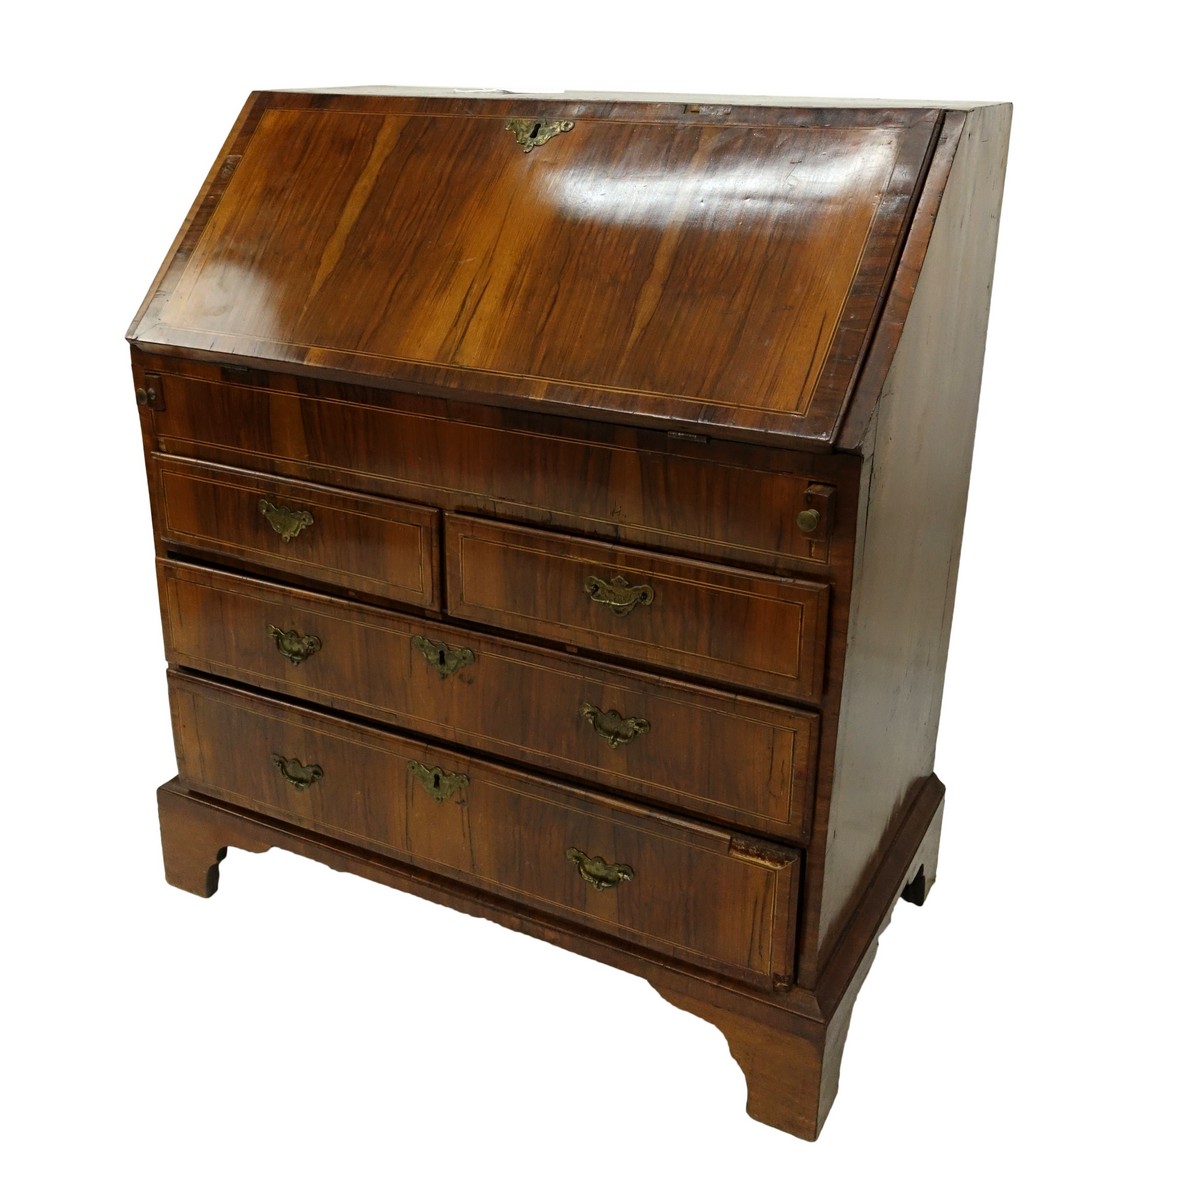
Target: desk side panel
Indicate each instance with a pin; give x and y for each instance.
(913, 504)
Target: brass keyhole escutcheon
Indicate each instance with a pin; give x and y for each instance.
(438, 782)
(444, 659)
(533, 131)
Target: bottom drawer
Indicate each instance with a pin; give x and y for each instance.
(685, 890)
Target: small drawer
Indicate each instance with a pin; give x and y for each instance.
(720, 623)
(373, 547)
(684, 890)
(740, 761)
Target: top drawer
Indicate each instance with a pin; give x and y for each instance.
(368, 546)
(720, 623)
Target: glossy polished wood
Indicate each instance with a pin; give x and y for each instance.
(754, 630)
(655, 490)
(378, 548)
(917, 470)
(651, 488)
(735, 760)
(743, 257)
(504, 831)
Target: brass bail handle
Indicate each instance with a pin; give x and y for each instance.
(600, 874)
(299, 775)
(294, 645)
(618, 593)
(615, 729)
(286, 522)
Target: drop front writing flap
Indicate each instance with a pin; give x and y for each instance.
(658, 262)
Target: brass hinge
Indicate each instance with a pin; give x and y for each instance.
(762, 854)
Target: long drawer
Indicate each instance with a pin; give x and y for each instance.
(375, 547)
(684, 890)
(741, 761)
(740, 627)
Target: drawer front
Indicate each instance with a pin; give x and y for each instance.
(736, 626)
(684, 890)
(740, 761)
(374, 547)
(656, 491)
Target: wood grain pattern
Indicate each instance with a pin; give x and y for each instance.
(908, 548)
(743, 260)
(646, 487)
(696, 893)
(368, 546)
(739, 761)
(763, 633)
(501, 380)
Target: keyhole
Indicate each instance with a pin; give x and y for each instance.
(534, 131)
(437, 782)
(441, 658)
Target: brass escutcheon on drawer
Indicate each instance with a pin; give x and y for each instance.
(439, 783)
(619, 594)
(444, 659)
(294, 645)
(600, 874)
(615, 729)
(299, 775)
(286, 522)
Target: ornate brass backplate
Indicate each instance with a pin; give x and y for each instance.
(597, 872)
(286, 522)
(444, 659)
(618, 593)
(293, 645)
(440, 784)
(299, 775)
(615, 729)
(532, 131)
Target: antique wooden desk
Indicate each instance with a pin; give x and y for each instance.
(557, 505)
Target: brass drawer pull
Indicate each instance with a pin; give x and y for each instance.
(615, 729)
(597, 872)
(808, 520)
(444, 659)
(440, 784)
(293, 645)
(298, 774)
(619, 594)
(286, 522)
(531, 132)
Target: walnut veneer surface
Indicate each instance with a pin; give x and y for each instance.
(557, 503)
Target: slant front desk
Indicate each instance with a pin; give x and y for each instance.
(557, 503)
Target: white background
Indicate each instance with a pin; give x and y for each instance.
(1030, 1031)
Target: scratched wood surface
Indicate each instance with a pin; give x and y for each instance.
(720, 269)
